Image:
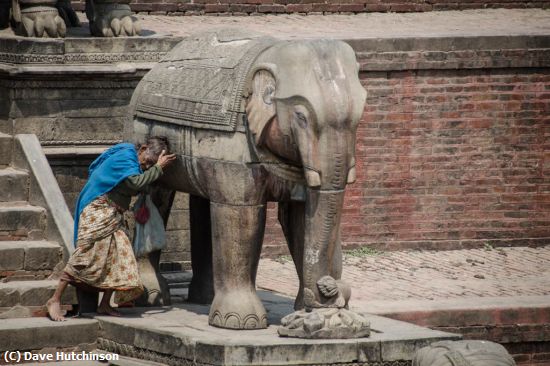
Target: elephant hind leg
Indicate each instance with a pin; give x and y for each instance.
(201, 289)
(237, 235)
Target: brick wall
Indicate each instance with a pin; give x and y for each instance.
(244, 7)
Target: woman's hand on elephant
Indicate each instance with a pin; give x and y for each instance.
(165, 159)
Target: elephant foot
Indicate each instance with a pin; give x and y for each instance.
(114, 20)
(330, 323)
(41, 21)
(237, 310)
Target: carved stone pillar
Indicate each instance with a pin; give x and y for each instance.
(37, 18)
(111, 18)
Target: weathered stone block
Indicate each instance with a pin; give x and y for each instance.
(9, 296)
(61, 128)
(32, 293)
(14, 184)
(12, 256)
(6, 147)
(22, 217)
(181, 201)
(42, 255)
(38, 333)
(179, 220)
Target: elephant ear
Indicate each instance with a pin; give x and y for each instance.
(260, 108)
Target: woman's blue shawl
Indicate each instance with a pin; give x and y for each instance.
(107, 171)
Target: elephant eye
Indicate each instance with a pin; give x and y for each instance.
(301, 119)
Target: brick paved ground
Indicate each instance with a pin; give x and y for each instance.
(428, 275)
(469, 23)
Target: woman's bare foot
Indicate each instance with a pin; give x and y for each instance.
(107, 310)
(54, 310)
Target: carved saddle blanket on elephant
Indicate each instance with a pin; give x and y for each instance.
(202, 82)
(104, 258)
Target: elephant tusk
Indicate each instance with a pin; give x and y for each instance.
(352, 175)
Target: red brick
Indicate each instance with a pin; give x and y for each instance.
(216, 8)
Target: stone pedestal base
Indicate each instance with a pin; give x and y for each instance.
(180, 335)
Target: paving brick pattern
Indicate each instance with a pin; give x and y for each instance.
(363, 26)
(258, 7)
(429, 275)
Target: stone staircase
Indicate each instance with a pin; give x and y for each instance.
(35, 241)
(30, 249)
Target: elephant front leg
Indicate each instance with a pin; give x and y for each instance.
(237, 234)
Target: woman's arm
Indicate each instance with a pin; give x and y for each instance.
(141, 181)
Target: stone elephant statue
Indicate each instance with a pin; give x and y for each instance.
(254, 119)
(50, 18)
(463, 353)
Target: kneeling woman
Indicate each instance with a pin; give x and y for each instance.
(103, 259)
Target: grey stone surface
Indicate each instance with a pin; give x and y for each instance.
(182, 331)
(6, 142)
(14, 185)
(38, 333)
(22, 217)
(178, 277)
(12, 256)
(31, 293)
(29, 255)
(42, 255)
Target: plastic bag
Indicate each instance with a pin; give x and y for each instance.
(149, 236)
(141, 212)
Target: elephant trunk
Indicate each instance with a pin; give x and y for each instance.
(322, 252)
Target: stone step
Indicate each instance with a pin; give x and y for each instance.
(42, 333)
(14, 185)
(20, 299)
(6, 149)
(178, 279)
(19, 220)
(24, 257)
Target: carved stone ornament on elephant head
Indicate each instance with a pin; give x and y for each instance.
(252, 120)
(50, 18)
